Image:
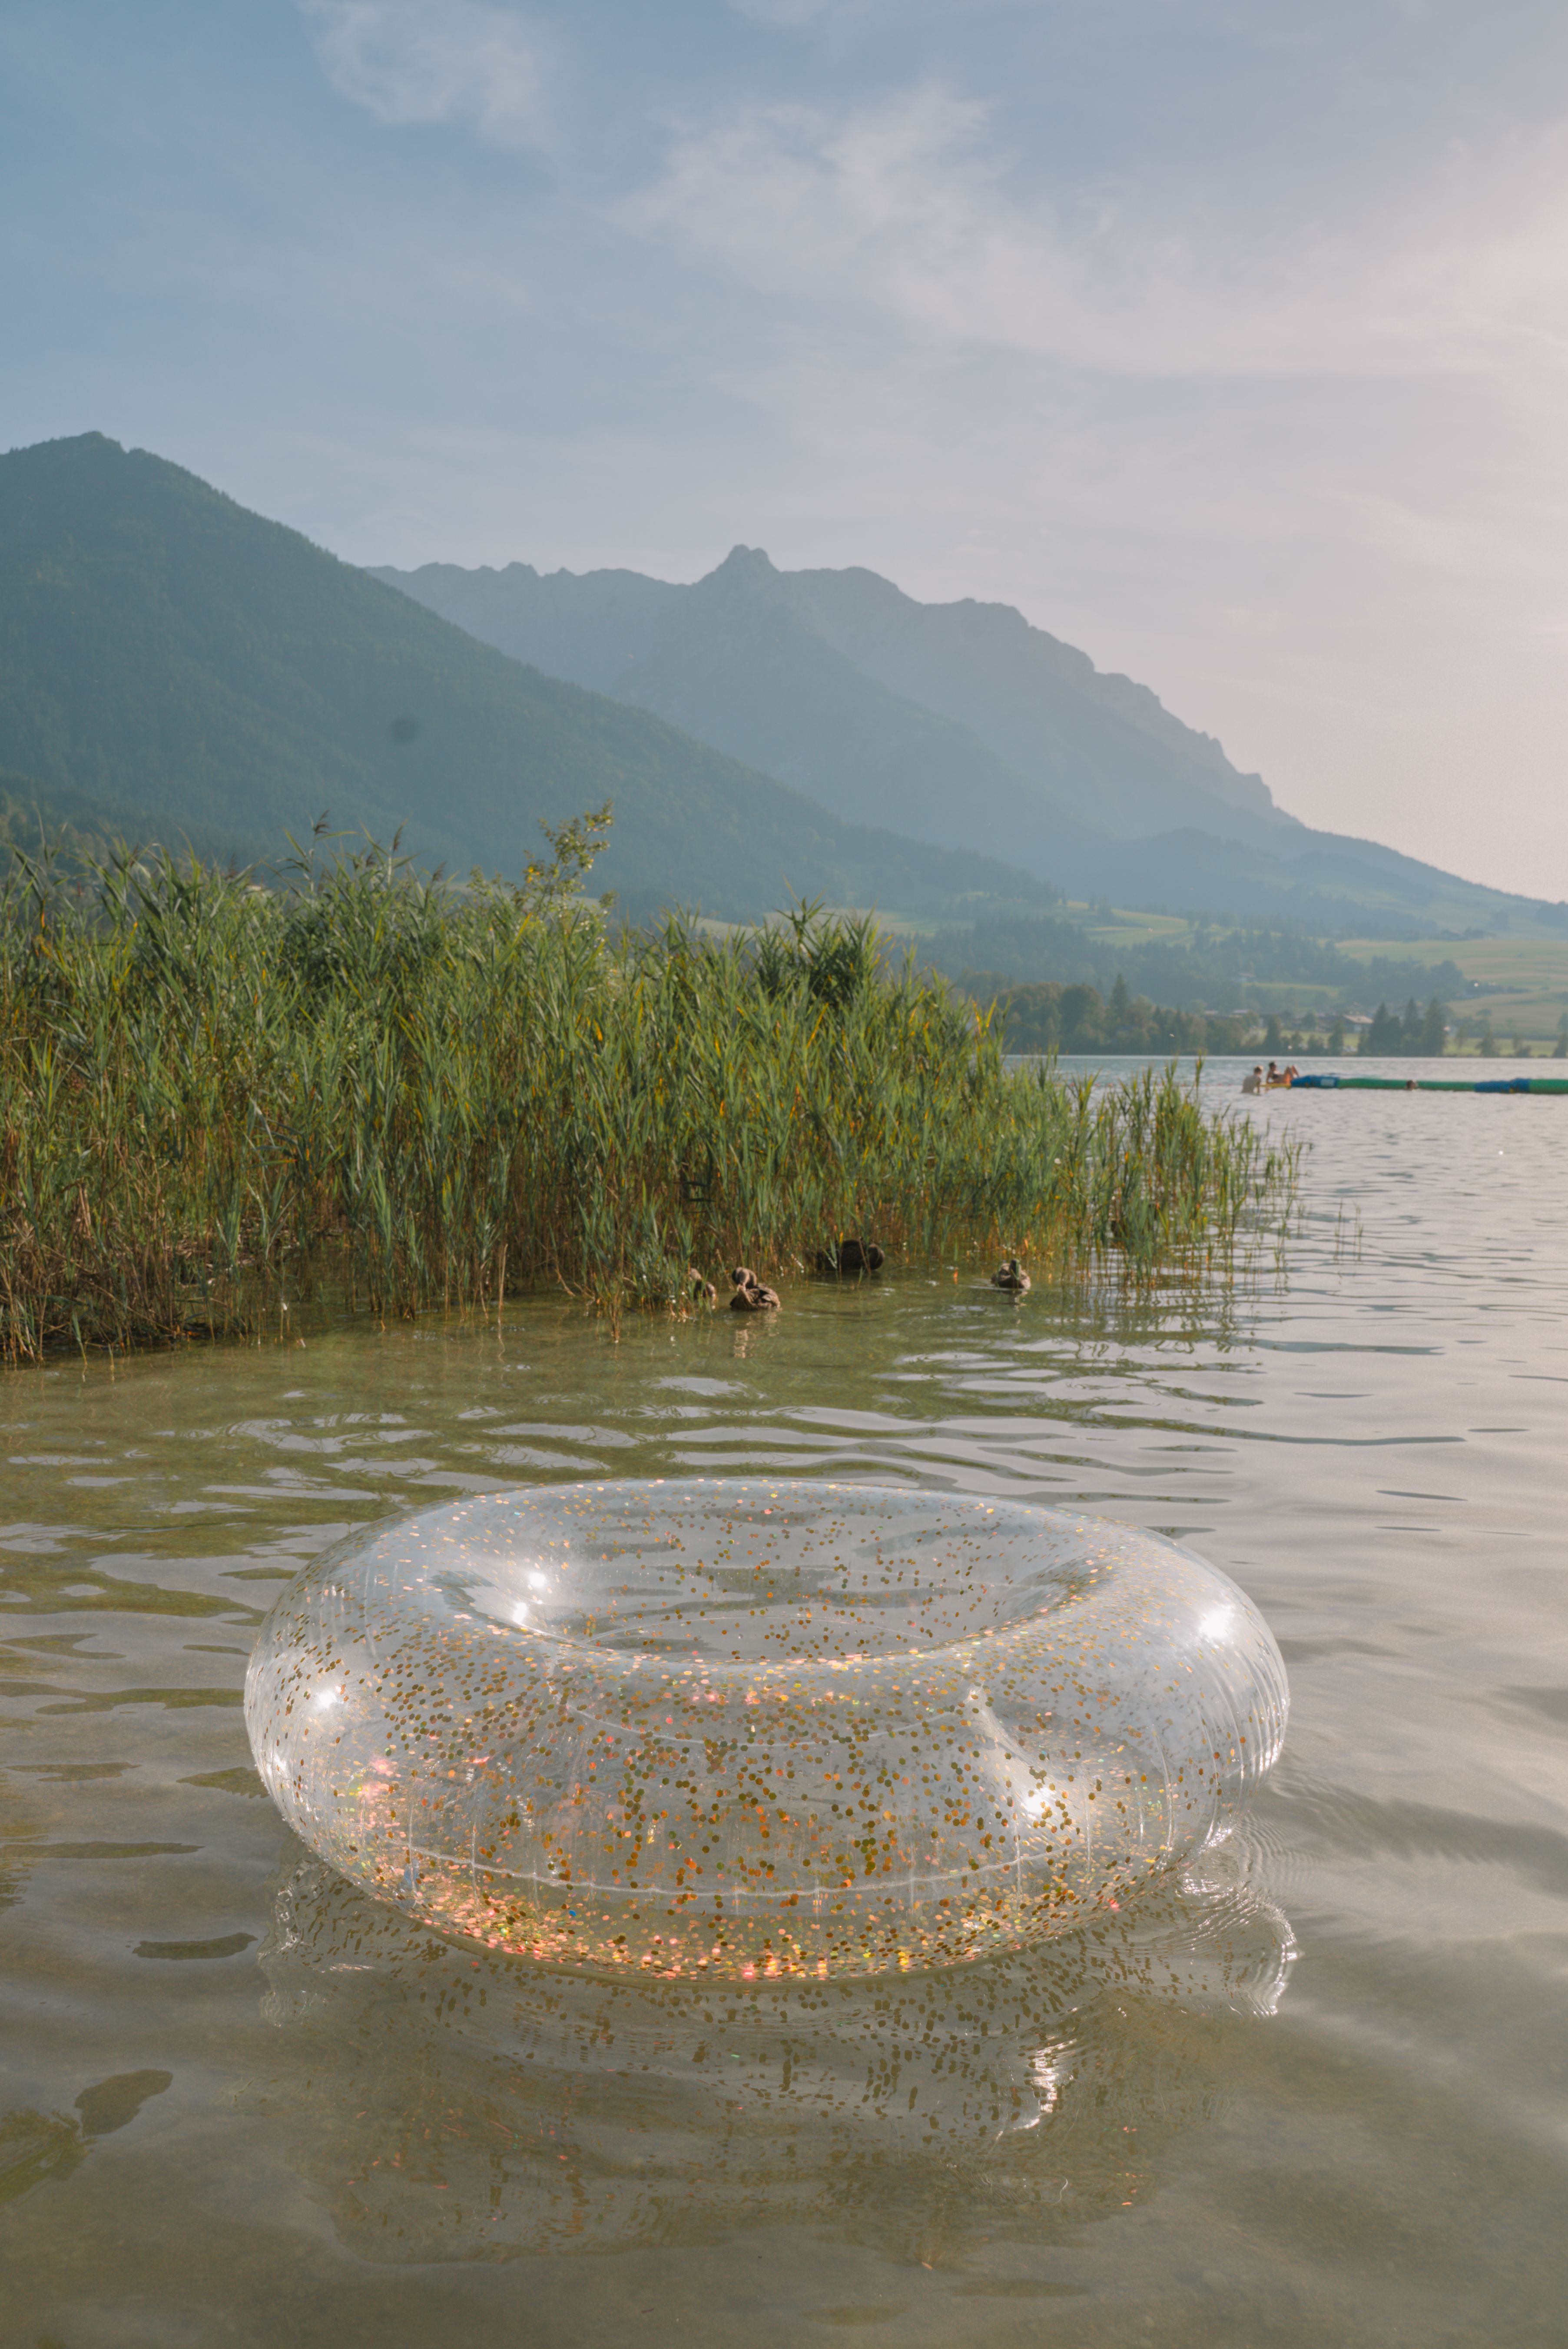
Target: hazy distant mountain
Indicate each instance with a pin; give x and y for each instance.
(737, 667)
(959, 723)
(172, 665)
(957, 720)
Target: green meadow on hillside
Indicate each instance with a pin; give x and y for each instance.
(1203, 983)
(1518, 984)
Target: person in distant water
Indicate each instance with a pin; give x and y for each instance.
(1254, 1084)
(1291, 1072)
(1273, 1077)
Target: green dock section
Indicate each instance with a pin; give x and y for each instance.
(1426, 1085)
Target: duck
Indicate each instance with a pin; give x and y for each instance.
(702, 1291)
(851, 1255)
(1011, 1277)
(751, 1295)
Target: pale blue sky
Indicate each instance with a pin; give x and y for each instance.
(1224, 336)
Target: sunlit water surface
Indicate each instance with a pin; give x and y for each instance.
(1318, 2095)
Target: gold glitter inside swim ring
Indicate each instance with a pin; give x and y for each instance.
(709, 1727)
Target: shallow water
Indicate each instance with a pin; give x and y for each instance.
(1316, 2096)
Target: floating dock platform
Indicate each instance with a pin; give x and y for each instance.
(1425, 1085)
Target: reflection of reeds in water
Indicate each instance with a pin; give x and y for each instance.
(1107, 1318)
(445, 2104)
(214, 1096)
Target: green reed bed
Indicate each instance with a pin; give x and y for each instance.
(217, 1099)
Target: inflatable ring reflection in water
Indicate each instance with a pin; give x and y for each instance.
(755, 1729)
(938, 2108)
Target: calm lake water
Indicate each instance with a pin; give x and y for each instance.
(1318, 2096)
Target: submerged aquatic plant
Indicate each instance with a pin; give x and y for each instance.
(217, 1096)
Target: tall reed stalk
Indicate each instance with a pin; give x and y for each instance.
(215, 1097)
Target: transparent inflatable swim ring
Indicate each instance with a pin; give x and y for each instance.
(748, 1729)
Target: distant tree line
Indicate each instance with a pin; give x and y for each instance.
(1076, 1017)
(1410, 1031)
(1216, 966)
(1051, 1018)
(1489, 1048)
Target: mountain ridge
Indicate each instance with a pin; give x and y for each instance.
(216, 679)
(167, 652)
(940, 652)
(1068, 747)
(882, 708)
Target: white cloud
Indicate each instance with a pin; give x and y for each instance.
(426, 61)
(1290, 453)
(784, 16)
(908, 210)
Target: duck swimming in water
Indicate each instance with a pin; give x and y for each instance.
(851, 1255)
(751, 1295)
(1011, 1277)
